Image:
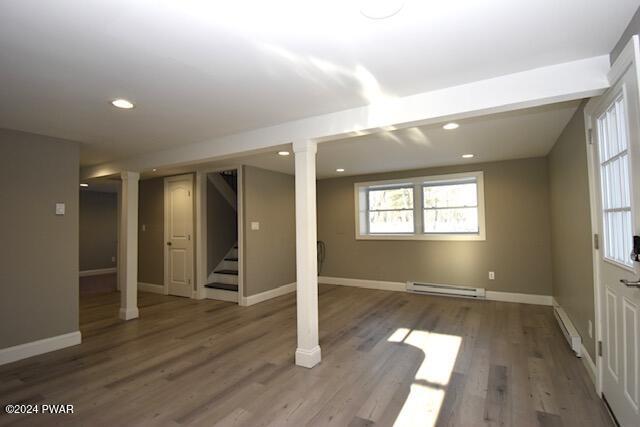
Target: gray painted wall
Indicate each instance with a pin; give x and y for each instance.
(516, 248)
(98, 229)
(632, 29)
(222, 226)
(151, 241)
(39, 251)
(269, 253)
(571, 227)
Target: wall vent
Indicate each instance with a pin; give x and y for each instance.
(451, 290)
(568, 330)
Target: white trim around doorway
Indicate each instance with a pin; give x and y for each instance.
(629, 56)
(201, 231)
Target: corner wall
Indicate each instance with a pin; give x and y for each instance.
(270, 252)
(39, 251)
(98, 230)
(151, 240)
(571, 228)
(632, 29)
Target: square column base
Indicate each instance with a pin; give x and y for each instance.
(308, 358)
(129, 313)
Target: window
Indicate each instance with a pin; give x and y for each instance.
(391, 210)
(451, 207)
(613, 150)
(447, 207)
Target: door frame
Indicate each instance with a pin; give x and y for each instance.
(628, 57)
(201, 227)
(165, 248)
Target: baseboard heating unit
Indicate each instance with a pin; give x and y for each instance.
(568, 330)
(450, 290)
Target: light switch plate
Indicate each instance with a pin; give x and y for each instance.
(492, 275)
(60, 208)
(255, 225)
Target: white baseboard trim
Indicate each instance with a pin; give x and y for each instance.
(588, 364)
(221, 295)
(34, 348)
(199, 293)
(363, 283)
(267, 295)
(129, 313)
(150, 287)
(401, 287)
(519, 298)
(98, 271)
(308, 358)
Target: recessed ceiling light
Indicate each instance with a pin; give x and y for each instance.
(84, 185)
(340, 170)
(380, 9)
(283, 153)
(451, 126)
(122, 103)
(467, 156)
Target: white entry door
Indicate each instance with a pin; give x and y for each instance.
(615, 137)
(178, 232)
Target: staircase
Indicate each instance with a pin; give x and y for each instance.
(223, 281)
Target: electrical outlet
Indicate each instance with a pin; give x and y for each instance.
(590, 329)
(113, 259)
(60, 208)
(144, 227)
(492, 275)
(255, 225)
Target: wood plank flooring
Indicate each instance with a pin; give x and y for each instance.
(388, 357)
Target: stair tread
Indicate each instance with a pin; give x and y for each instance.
(223, 286)
(232, 272)
(231, 259)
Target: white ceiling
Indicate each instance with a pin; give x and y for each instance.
(200, 69)
(513, 135)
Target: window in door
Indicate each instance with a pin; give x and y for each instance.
(614, 175)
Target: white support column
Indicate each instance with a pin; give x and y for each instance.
(128, 268)
(308, 351)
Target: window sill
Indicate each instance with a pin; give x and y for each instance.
(434, 237)
(618, 264)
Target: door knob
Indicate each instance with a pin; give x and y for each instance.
(168, 243)
(630, 283)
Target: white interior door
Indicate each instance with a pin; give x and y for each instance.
(178, 220)
(615, 121)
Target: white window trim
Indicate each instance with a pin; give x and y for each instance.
(418, 182)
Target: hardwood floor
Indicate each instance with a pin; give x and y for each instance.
(388, 357)
(100, 284)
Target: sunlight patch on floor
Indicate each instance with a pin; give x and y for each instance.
(427, 393)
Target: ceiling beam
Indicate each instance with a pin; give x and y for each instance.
(557, 83)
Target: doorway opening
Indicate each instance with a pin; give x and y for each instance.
(98, 226)
(223, 254)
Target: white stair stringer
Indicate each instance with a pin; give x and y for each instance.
(225, 265)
